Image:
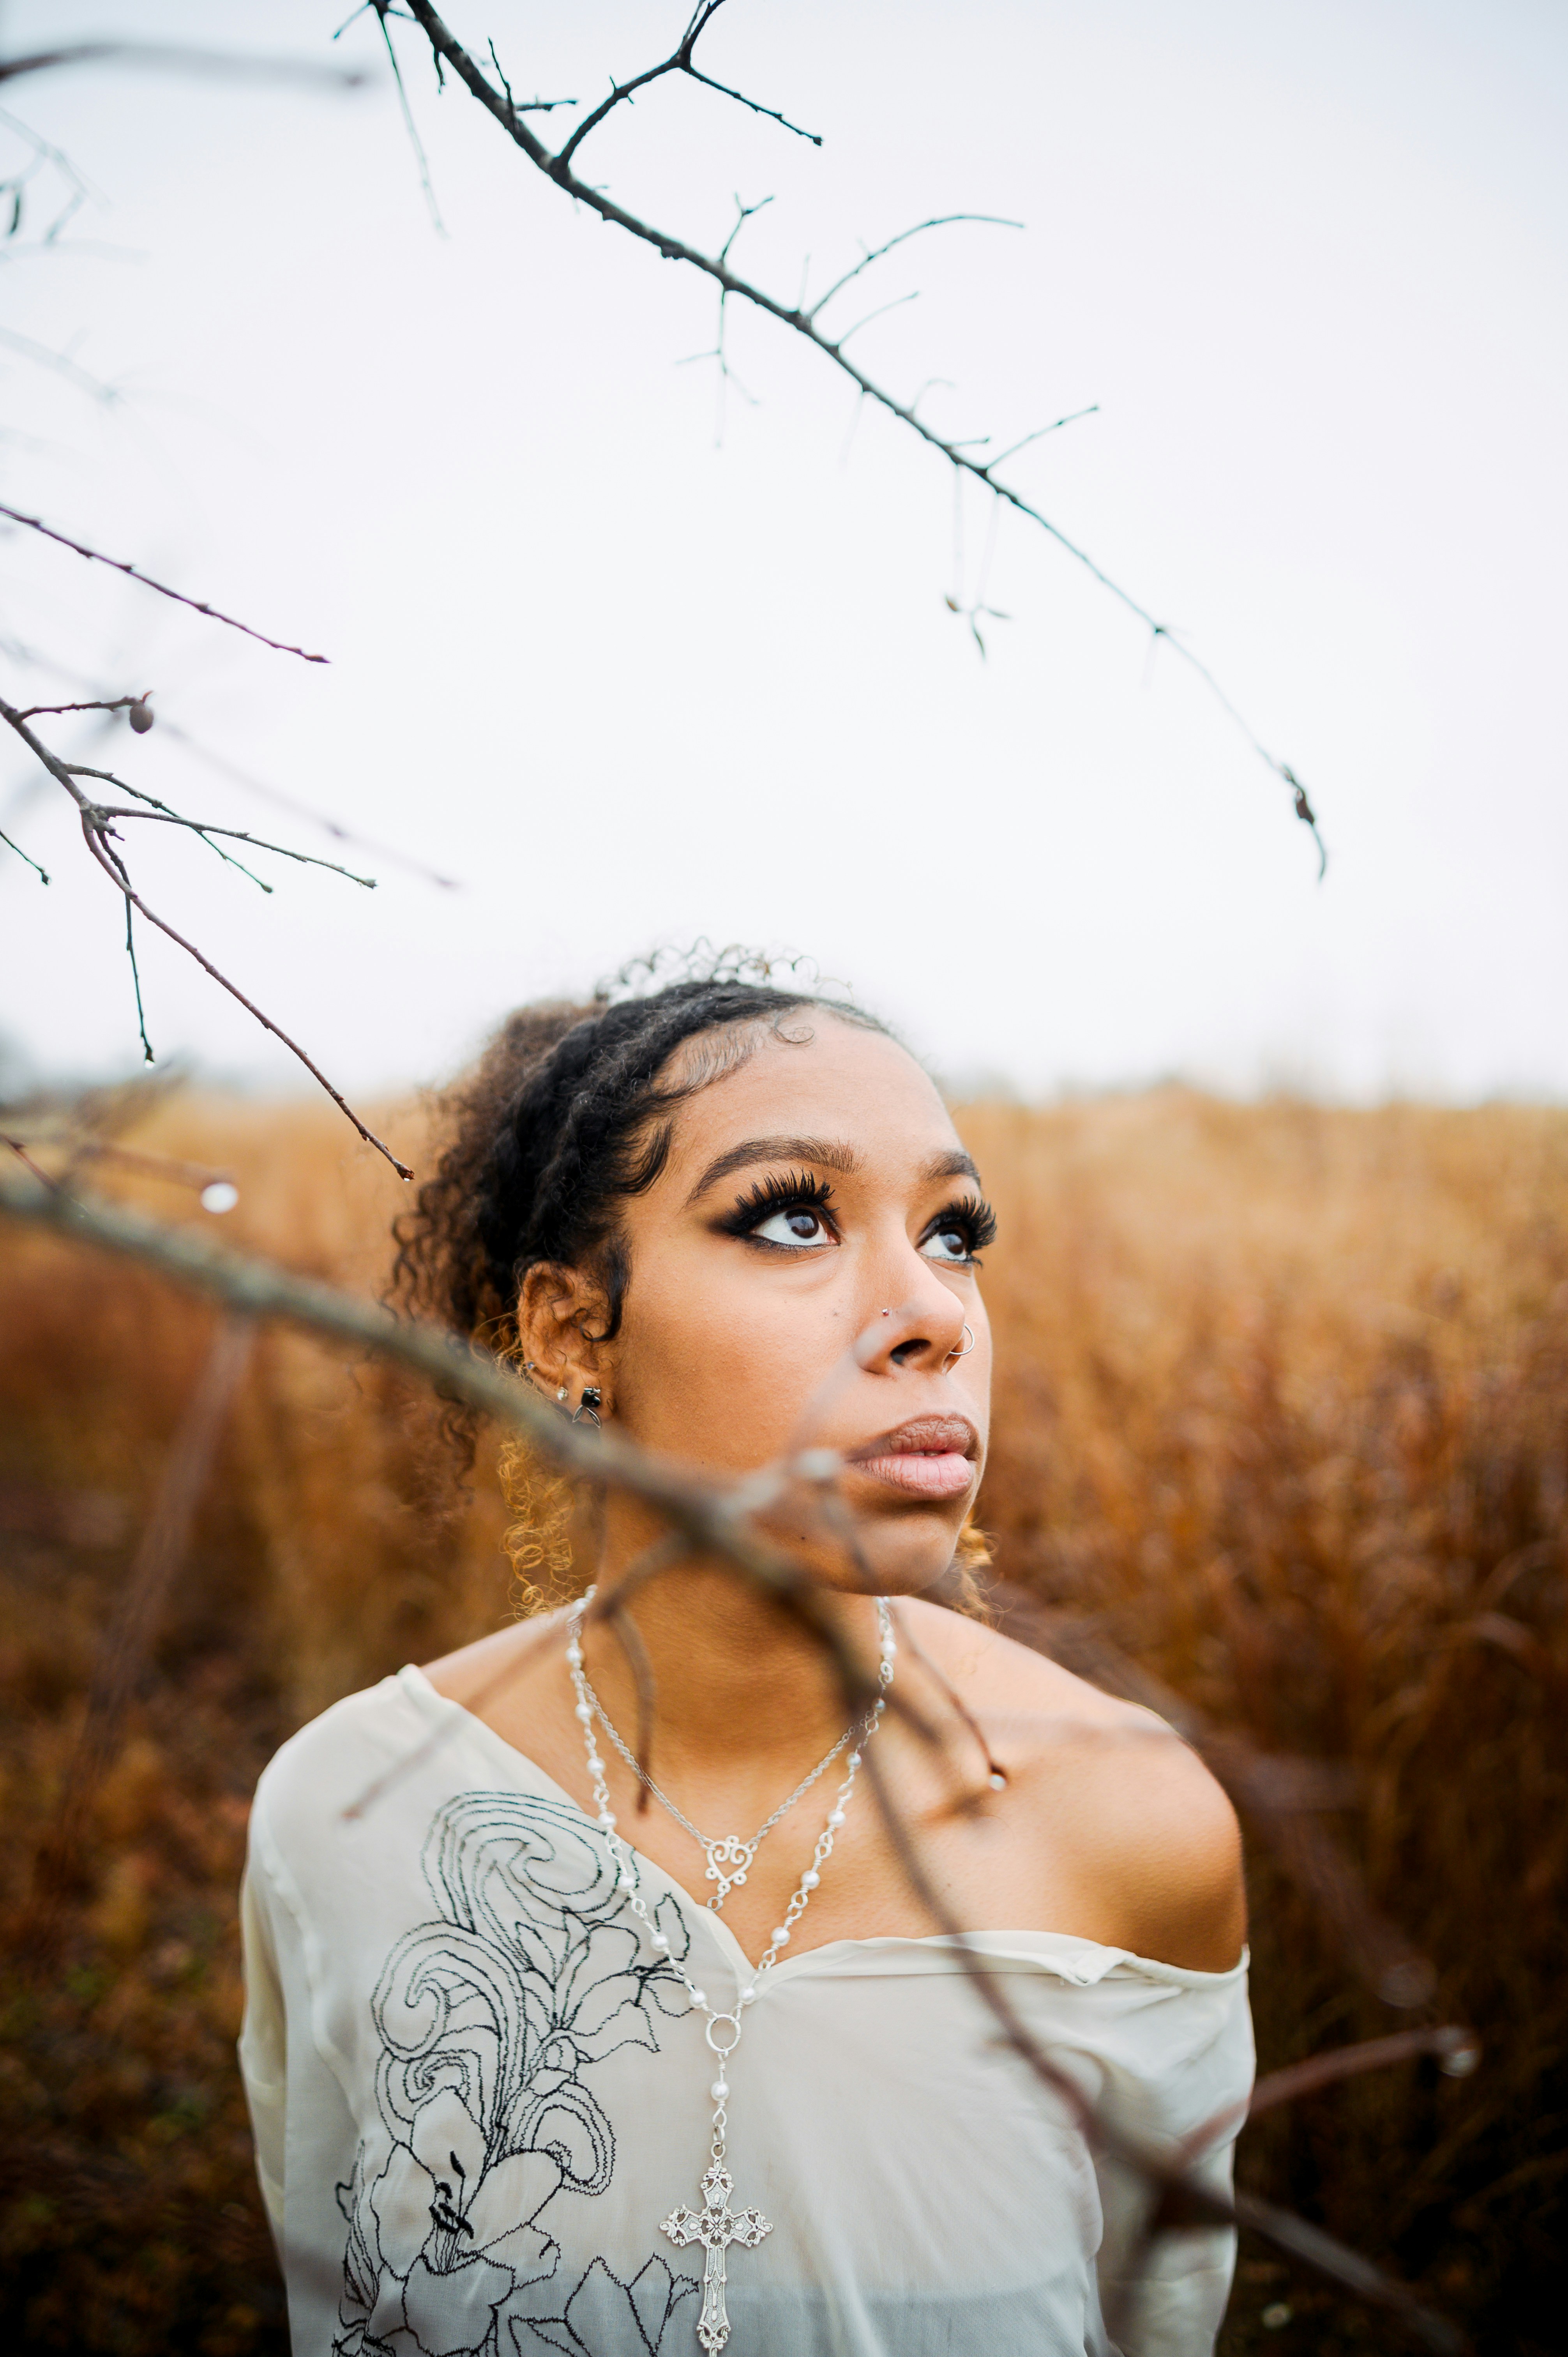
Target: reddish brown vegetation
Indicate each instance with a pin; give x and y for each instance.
(1283, 1404)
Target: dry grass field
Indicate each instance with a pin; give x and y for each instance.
(1281, 1422)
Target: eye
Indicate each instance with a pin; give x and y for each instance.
(784, 1214)
(949, 1244)
(960, 1231)
(798, 1225)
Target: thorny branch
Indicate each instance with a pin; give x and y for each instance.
(720, 1525)
(101, 823)
(803, 321)
(100, 833)
(120, 565)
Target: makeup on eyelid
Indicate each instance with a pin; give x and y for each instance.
(969, 1218)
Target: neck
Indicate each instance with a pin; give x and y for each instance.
(736, 1679)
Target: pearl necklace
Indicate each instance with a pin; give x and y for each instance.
(729, 1857)
(715, 2225)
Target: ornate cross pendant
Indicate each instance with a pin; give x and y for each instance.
(715, 2225)
(733, 1854)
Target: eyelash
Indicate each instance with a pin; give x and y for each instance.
(974, 1217)
(970, 1214)
(797, 1192)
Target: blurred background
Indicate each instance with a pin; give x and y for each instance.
(626, 655)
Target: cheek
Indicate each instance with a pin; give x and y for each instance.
(721, 1371)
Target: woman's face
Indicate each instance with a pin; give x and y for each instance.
(801, 1274)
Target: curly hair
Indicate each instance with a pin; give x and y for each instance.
(569, 1111)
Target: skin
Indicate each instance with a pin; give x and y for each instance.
(833, 1330)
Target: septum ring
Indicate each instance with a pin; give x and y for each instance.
(964, 1351)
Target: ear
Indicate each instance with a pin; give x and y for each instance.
(562, 1314)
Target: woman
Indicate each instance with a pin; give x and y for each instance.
(543, 2056)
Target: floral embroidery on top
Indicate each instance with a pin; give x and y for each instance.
(489, 2017)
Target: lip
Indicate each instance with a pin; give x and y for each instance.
(930, 1457)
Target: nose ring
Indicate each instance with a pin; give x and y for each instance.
(963, 1350)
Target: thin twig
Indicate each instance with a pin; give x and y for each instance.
(874, 253)
(113, 868)
(120, 565)
(41, 873)
(160, 812)
(378, 8)
(95, 835)
(170, 57)
(62, 364)
(558, 168)
(1457, 2051)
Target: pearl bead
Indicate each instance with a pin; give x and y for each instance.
(719, 2090)
(595, 1763)
(854, 1760)
(809, 1880)
(575, 1655)
(698, 1997)
(625, 1882)
(584, 1712)
(781, 1936)
(835, 1816)
(658, 1939)
(748, 1997)
(998, 1782)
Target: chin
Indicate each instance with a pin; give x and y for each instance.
(902, 1555)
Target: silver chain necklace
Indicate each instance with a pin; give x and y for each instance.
(715, 2225)
(729, 1857)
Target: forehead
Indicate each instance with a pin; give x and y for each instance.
(814, 1076)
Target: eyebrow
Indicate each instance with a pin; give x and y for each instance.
(826, 1152)
(954, 1164)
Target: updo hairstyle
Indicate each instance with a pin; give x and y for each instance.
(568, 1113)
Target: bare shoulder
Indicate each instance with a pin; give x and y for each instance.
(1127, 1811)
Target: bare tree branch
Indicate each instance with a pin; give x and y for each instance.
(1457, 2052)
(558, 168)
(61, 363)
(204, 828)
(941, 220)
(119, 564)
(98, 837)
(222, 767)
(41, 873)
(171, 57)
(679, 61)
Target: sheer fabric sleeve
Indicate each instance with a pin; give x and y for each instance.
(1187, 2098)
(263, 2045)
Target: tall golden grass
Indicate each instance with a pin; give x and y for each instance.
(1282, 1408)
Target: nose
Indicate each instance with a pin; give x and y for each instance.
(925, 1331)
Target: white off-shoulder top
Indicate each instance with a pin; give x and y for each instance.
(477, 2092)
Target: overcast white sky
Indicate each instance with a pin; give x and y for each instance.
(632, 686)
